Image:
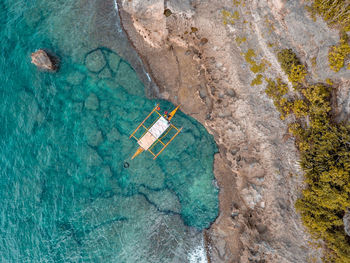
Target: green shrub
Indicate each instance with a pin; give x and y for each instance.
(297, 130)
(326, 162)
(335, 12)
(297, 74)
(292, 66)
(276, 90)
(257, 80)
(338, 54)
(325, 158)
(254, 67)
(324, 148)
(287, 58)
(299, 108)
(329, 82)
(318, 98)
(229, 17)
(249, 56)
(241, 40)
(284, 106)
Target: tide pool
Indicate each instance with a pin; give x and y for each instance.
(64, 193)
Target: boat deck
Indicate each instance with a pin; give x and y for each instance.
(153, 133)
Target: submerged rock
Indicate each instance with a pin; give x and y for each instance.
(95, 61)
(43, 60)
(92, 103)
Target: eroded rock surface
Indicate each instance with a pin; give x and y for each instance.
(346, 221)
(43, 60)
(197, 60)
(148, 20)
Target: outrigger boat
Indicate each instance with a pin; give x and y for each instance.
(154, 134)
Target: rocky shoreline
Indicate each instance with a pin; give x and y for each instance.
(194, 52)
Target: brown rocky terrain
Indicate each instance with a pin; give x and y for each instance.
(194, 51)
(43, 60)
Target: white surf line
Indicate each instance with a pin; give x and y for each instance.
(198, 254)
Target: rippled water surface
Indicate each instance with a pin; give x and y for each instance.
(64, 193)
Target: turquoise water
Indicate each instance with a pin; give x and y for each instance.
(64, 193)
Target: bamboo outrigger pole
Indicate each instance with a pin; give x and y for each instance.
(155, 157)
(155, 108)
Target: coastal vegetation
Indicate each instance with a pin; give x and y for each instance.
(239, 2)
(291, 66)
(254, 66)
(323, 143)
(241, 40)
(338, 53)
(334, 12)
(324, 147)
(229, 17)
(258, 80)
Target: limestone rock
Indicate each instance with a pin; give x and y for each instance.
(149, 19)
(251, 197)
(43, 60)
(346, 220)
(182, 7)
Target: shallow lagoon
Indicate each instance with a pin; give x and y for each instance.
(65, 195)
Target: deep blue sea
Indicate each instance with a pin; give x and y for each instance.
(65, 195)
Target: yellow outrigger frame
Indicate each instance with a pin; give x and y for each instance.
(159, 140)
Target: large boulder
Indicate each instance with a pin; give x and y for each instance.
(43, 60)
